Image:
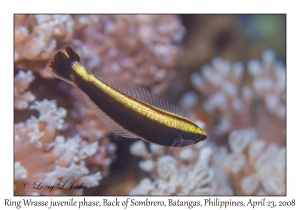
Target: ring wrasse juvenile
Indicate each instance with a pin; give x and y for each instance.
(127, 110)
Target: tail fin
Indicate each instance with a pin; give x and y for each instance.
(61, 64)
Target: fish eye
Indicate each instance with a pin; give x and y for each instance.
(199, 135)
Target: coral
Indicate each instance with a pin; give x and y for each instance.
(22, 82)
(245, 107)
(83, 158)
(256, 169)
(37, 36)
(44, 157)
(142, 49)
(138, 48)
(269, 85)
(20, 171)
(220, 83)
(188, 173)
(237, 100)
(130, 45)
(248, 168)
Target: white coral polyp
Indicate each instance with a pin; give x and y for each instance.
(187, 154)
(274, 186)
(255, 68)
(66, 150)
(236, 163)
(146, 165)
(91, 180)
(144, 188)
(22, 82)
(35, 135)
(139, 149)
(256, 148)
(20, 171)
(249, 184)
(88, 150)
(70, 174)
(49, 113)
(156, 149)
(240, 139)
(166, 166)
(23, 79)
(175, 177)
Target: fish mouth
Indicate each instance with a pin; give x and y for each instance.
(203, 137)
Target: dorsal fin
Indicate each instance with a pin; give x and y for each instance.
(139, 93)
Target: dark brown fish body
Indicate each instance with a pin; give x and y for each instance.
(127, 110)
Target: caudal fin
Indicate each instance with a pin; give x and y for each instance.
(63, 60)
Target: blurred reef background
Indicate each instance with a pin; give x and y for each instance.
(227, 72)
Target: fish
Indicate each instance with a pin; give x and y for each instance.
(126, 109)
